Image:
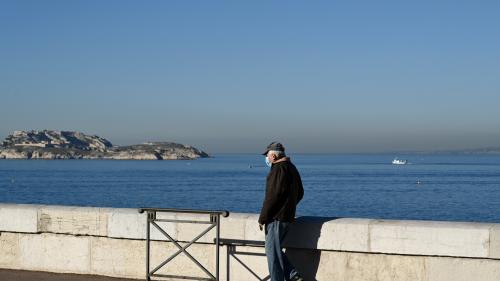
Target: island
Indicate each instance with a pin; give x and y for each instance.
(50, 144)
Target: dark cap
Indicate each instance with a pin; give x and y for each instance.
(274, 146)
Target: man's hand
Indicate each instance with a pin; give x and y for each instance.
(261, 227)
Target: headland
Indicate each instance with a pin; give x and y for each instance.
(50, 144)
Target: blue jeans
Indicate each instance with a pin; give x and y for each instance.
(280, 267)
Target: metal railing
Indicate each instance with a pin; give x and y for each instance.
(213, 222)
(231, 251)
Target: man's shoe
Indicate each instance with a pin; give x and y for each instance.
(297, 278)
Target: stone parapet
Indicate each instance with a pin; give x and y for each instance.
(110, 241)
(430, 238)
(19, 218)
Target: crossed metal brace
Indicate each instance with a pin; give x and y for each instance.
(214, 223)
(231, 248)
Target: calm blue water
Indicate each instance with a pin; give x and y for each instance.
(452, 187)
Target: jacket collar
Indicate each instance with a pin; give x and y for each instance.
(284, 159)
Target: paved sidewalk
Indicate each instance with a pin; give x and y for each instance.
(23, 275)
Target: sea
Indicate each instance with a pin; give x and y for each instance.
(444, 187)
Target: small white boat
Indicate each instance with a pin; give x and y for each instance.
(397, 161)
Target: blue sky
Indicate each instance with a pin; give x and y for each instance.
(232, 76)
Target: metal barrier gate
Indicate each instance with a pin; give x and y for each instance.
(214, 221)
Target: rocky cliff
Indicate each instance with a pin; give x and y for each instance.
(49, 144)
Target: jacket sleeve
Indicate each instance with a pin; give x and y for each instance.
(275, 189)
(301, 191)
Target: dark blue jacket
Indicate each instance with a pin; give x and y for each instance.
(283, 192)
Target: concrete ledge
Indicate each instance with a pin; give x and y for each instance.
(430, 238)
(10, 252)
(125, 258)
(494, 250)
(126, 223)
(427, 238)
(110, 242)
(19, 218)
(73, 220)
(55, 252)
(330, 234)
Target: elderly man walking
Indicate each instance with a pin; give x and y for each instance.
(283, 192)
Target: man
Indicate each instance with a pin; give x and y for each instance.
(283, 192)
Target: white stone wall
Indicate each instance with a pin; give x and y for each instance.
(106, 241)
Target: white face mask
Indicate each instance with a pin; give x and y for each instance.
(268, 162)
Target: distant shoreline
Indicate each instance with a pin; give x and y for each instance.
(50, 145)
(137, 152)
